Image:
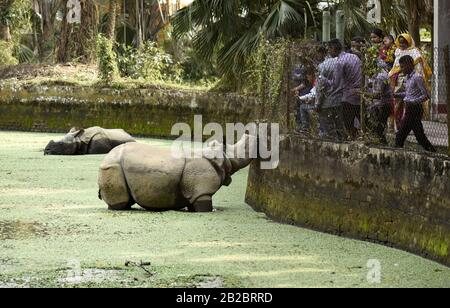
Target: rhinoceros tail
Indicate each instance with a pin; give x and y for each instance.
(100, 194)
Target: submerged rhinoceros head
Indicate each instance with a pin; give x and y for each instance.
(66, 146)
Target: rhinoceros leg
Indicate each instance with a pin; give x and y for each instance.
(114, 189)
(202, 205)
(199, 183)
(99, 145)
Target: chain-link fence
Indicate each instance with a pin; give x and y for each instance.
(389, 101)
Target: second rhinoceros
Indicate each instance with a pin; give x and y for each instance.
(94, 140)
(158, 179)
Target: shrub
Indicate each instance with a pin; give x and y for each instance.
(126, 60)
(193, 67)
(107, 59)
(149, 63)
(6, 57)
(152, 62)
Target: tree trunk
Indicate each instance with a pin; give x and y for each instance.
(5, 32)
(169, 8)
(88, 31)
(46, 30)
(78, 41)
(111, 27)
(63, 44)
(414, 20)
(157, 20)
(138, 25)
(144, 29)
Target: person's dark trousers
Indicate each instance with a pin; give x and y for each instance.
(413, 122)
(350, 113)
(300, 117)
(378, 120)
(304, 118)
(331, 123)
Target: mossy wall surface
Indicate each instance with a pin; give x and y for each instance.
(144, 112)
(393, 197)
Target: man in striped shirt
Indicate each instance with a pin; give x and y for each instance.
(416, 93)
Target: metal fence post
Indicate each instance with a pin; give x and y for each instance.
(447, 79)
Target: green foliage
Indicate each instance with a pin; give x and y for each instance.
(24, 53)
(278, 57)
(107, 60)
(127, 61)
(426, 35)
(149, 63)
(6, 57)
(154, 64)
(230, 30)
(194, 69)
(20, 17)
(17, 14)
(267, 70)
(370, 63)
(256, 71)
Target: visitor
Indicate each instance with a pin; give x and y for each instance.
(414, 95)
(329, 101)
(321, 55)
(387, 52)
(380, 106)
(406, 47)
(377, 36)
(299, 77)
(307, 104)
(358, 44)
(304, 88)
(347, 80)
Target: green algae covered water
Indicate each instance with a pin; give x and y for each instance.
(55, 232)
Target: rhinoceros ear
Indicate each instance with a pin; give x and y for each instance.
(73, 130)
(76, 133)
(216, 145)
(79, 133)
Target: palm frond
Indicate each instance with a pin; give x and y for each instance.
(231, 29)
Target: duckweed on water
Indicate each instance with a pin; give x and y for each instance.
(55, 232)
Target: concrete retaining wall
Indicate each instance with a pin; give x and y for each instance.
(147, 112)
(393, 197)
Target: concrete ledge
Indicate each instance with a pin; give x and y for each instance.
(393, 197)
(142, 112)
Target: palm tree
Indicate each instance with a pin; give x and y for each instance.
(112, 14)
(141, 21)
(232, 29)
(419, 13)
(356, 17)
(79, 41)
(45, 26)
(414, 9)
(394, 16)
(407, 16)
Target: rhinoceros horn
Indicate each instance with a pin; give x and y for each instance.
(243, 152)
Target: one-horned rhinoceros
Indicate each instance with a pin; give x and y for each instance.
(158, 179)
(94, 140)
